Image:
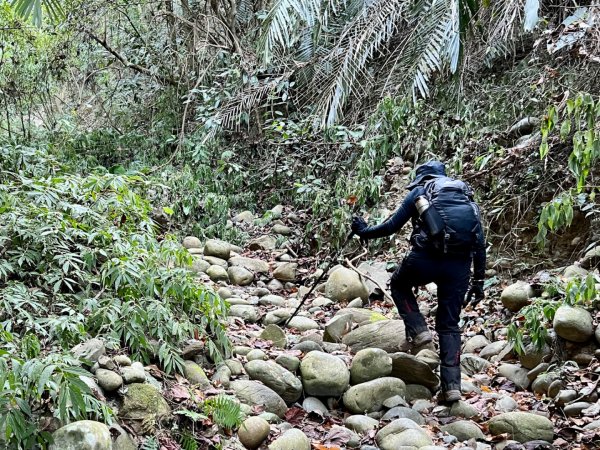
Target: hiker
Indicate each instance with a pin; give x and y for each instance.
(447, 236)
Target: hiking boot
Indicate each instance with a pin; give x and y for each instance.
(453, 395)
(424, 337)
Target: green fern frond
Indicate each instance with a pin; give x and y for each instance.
(188, 442)
(225, 411)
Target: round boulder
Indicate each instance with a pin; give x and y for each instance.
(402, 433)
(369, 396)
(240, 276)
(369, 364)
(573, 324)
(109, 380)
(516, 296)
(293, 439)
(345, 285)
(254, 393)
(522, 426)
(463, 430)
(324, 374)
(277, 378)
(253, 431)
(191, 242)
(218, 249)
(217, 273)
(82, 435)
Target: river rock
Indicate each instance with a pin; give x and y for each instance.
(265, 242)
(271, 300)
(463, 430)
(575, 409)
(252, 264)
(311, 404)
(324, 374)
(522, 426)
(217, 273)
(274, 334)
(532, 356)
(253, 431)
(345, 285)
(246, 312)
(240, 276)
(244, 217)
(302, 323)
(573, 324)
(191, 242)
(361, 316)
(89, 350)
(254, 393)
(277, 378)
(281, 229)
(429, 357)
(361, 424)
(288, 362)
(218, 249)
(388, 335)
(293, 439)
(368, 364)
(192, 349)
(82, 435)
(342, 435)
(516, 374)
(277, 316)
(256, 354)
(307, 346)
(369, 396)
(417, 392)
(378, 271)
(133, 374)
(337, 328)
(143, 402)
(403, 412)
(285, 272)
(195, 374)
(199, 265)
(412, 370)
(472, 364)
(591, 258)
(402, 434)
(214, 261)
(516, 296)
(475, 343)
(459, 409)
(492, 349)
(571, 272)
(565, 396)
(109, 380)
(506, 404)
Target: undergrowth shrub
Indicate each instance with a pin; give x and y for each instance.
(80, 257)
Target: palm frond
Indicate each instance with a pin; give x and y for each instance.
(343, 72)
(34, 10)
(433, 43)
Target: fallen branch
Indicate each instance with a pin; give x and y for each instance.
(362, 274)
(127, 63)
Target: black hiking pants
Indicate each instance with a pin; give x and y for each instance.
(451, 275)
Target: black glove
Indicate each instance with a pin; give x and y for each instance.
(475, 294)
(358, 225)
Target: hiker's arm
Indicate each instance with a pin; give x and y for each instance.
(396, 222)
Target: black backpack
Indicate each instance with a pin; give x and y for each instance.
(453, 201)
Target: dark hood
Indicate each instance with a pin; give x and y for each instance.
(430, 169)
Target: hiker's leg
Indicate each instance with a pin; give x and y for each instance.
(408, 275)
(452, 288)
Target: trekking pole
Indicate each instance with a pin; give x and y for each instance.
(316, 283)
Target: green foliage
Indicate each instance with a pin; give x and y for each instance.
(31, 382)
(87, 243)
(224, 410)
(538, 316)
(35, 10)
(576, 124)
(188, 442)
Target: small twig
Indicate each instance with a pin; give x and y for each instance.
(362, 274)
(292, 252)
(356, 258)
